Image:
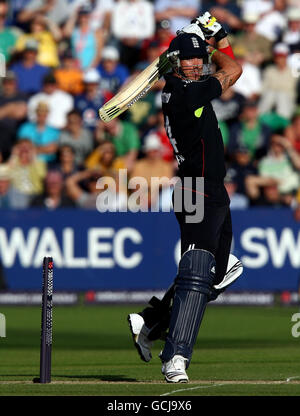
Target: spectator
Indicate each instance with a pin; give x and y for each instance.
(28, 172)
(92, 98)
(163, 35)
(298, 198)
(86, 42)
(60, 103)
(292, 133)
(87, 198)
(228, 106)
(15, 6)
(297, 212)
(249, 83)
(8, 36)
(152, 165)
(258, 48)
(69, 77)
(3, 156)
(104, 159)
(65, 162)
(101, 15)
(55, 10)
(274, 121)
(47, 34)
(289, 199)
(113, 198)
(263, 192)
(10, 198)
(124, 136)
(13, 110)
(259, 7)
(54, 196)
(179, 12)
(113, 74)
(237, 200)
(291, 35)
(281, 163)
(272, 23)
(292, 39)
(76, 136)
(242, 166)
(250, 132)
(227, 13)
(153, 51)
(279, 85)
(132, 21)
(44, 137)
(29, 73)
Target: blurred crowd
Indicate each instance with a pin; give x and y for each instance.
(66, 58)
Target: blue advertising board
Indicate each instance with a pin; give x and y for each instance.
(108, 251)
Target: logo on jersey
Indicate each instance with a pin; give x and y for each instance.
(165, 97)
(173, 142)
(195, 42)
(198, 112)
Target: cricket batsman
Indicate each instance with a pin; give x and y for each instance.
(206, 266)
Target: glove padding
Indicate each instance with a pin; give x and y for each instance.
(192, 28)
(210, 27)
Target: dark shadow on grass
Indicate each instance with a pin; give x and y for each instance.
(103, 377)
(29, 376)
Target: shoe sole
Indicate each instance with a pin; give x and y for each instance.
(184, 380)
(134, 337)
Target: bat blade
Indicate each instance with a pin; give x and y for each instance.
(135, 89)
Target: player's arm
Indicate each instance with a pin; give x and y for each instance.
(188, 12)
(69, 26)
(47, 149)
(73, 188)
(228, 69)
(99, 36)
(28, 14)
(254, 183)
(207, 27)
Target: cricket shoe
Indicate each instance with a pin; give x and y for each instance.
(139, 333)
(234, 270)
(174, 370)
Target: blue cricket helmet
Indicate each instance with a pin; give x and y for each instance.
(189, 45)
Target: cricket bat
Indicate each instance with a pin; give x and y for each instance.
(135, 89)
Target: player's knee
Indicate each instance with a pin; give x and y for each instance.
(196, 271)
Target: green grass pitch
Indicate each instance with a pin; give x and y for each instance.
(239, 351)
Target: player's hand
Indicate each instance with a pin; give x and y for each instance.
(192, 28)
(210, 27)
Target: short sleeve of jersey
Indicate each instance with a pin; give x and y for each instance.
(199, 94)
(26, 130)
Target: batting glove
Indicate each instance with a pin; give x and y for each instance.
(192, 28)
(210, 27)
